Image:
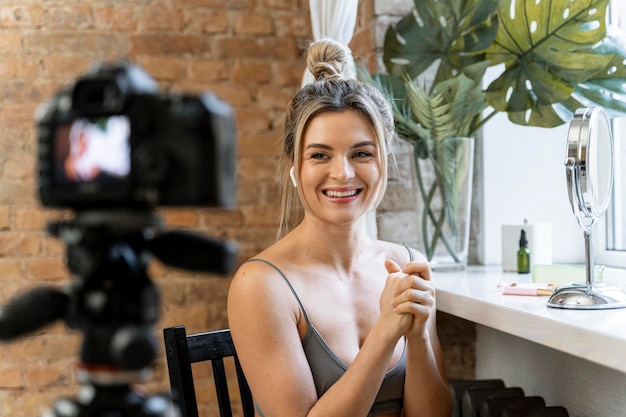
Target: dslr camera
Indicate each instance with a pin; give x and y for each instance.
(114, 141)
(112, 148)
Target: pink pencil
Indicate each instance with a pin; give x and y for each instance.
(528, 291)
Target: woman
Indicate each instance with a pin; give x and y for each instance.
(329, 321)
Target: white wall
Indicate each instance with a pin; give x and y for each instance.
(524, 178)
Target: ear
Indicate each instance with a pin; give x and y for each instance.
(292, 174)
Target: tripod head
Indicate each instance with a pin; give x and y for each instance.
(112, 300)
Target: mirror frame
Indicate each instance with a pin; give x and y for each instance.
(581, 165)
(588, 128)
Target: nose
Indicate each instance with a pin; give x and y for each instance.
(342, 169)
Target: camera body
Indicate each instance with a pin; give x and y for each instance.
(114, 141)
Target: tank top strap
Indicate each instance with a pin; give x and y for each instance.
(293, 291)
(306, 316)
(411, 258)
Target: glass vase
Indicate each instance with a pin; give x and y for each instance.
(444, 190)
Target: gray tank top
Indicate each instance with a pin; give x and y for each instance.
(327, 367)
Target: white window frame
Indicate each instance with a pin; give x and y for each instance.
(611, 230)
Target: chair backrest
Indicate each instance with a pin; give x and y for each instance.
(182, 350)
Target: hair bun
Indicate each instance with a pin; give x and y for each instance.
(327, 58)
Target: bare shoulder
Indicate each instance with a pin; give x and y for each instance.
(400, 253)
(259, 303)
(256, 278)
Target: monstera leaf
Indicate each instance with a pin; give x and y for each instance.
(556, 56)
(455, 32)
(607, 87)
(548, 50)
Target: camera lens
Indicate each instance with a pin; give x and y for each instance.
(151, 163)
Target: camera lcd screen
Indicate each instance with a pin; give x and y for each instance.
(95, 150)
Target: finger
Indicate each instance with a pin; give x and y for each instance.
(421, 269)
(419, 311)
(413, 282)
(424, 297)
(392, 266)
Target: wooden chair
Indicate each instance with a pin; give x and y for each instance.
(182, 350)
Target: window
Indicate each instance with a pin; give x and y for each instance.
(614, 252)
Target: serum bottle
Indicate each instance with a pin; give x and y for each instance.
(523, 255)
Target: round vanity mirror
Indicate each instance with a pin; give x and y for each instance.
(589, 169)
(596, 153)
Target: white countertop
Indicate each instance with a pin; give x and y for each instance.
(596, 335)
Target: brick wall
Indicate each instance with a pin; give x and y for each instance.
(245, 51)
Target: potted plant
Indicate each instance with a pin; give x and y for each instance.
(554, 57)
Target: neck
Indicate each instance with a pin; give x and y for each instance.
(339, 245)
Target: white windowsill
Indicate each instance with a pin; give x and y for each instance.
(598, 336)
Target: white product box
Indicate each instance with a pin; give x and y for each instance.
(539, 237)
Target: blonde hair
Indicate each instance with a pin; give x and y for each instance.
(327, 60)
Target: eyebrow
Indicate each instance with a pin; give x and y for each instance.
(356, 145)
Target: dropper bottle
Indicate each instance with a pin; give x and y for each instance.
(523, 255)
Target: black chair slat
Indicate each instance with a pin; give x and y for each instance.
(182, 350)
(244, 391)
(202, 347)
(221, 386)
(179, 368)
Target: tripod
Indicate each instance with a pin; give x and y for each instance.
(113, 302)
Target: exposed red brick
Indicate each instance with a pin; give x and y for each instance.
(207, 21)
(253, 24)
(47, 269)
(208, 70)
(47, 375)
(252, 72)
(170, 44)
(160, 19)
(67, 16)
(180, 218)
(31, 218)
(19, 15)
(292, 24)
(10, 269)
(163, 67)
(11, 42)
(14, 243)
(11, 377)
(19, 67)
(120, 18)
(220, 4)
(65, 66)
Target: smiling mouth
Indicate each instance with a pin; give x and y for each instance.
(341, 194)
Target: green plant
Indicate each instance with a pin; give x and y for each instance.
(554, 57)
(557, 56)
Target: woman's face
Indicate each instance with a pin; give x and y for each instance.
(340, 171)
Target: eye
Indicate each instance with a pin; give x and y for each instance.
(362, 154)
(319, 155)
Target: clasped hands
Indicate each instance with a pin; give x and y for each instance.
(408, 298)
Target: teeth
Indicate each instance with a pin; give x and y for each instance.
(340, 193)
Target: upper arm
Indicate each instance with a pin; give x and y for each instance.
(263, 319)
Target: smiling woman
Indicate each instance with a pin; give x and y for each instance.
(340, 164)
(329, 320)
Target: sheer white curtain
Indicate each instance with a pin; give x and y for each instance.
(336, 19)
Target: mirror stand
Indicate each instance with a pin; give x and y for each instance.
(590, 295)
(589, 168)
